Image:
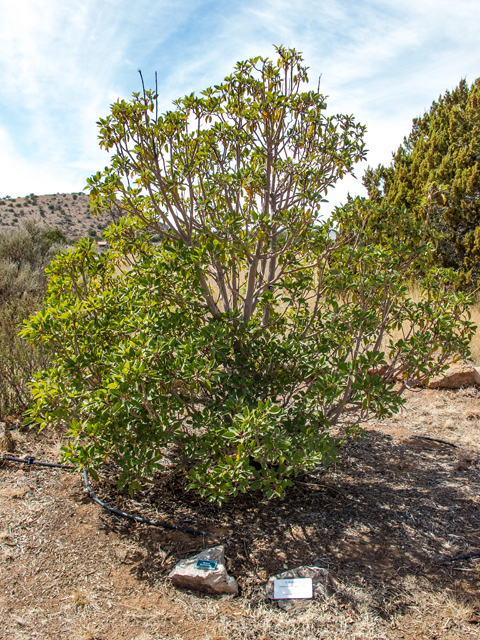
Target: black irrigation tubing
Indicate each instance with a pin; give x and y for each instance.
(30, 460)
(139, 519)
(450, 444)
(467, 556)
(17, 425)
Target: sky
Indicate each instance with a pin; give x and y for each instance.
(64, 62)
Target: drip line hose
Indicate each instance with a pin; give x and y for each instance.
(466, 556)
(30, 460)
(139, 519)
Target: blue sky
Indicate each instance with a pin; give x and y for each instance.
(63, 62)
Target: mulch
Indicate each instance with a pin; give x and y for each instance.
(384, 520)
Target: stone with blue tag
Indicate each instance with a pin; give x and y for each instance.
(205, 572)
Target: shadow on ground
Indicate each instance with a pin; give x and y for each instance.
(391, 507)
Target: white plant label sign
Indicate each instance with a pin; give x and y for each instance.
(286, 588)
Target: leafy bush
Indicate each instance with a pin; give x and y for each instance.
(249, 343)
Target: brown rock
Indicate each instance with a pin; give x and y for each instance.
(380, 370)
(187, 575)
(457, 376)
(466, 459)
(322, 581)
(472, 414)
(7, 443)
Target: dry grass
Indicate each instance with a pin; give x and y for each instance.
(475, 344)
(80, 599)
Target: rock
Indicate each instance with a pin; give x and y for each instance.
(381, 371)
(457, 376)
(322, 581)
(465, 459)
(187, 575)
(472, 414)
(7, 443)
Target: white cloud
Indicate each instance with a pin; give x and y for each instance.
(20, 176)
(62, 64)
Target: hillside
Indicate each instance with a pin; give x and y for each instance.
(68, 212)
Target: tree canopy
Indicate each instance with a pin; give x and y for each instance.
(248, 343)
(440, 159)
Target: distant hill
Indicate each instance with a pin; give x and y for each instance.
(68, 212)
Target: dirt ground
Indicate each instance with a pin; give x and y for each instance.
(383, 520)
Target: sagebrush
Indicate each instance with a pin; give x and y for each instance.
(24, 254)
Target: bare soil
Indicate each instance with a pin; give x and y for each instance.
(384, 520)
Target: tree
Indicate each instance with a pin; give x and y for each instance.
(248, 343)
(441, 159)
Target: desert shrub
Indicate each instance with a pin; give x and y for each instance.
(18, 360)
(246, 345)
(24, 254)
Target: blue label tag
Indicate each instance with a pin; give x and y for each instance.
(206, 565)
